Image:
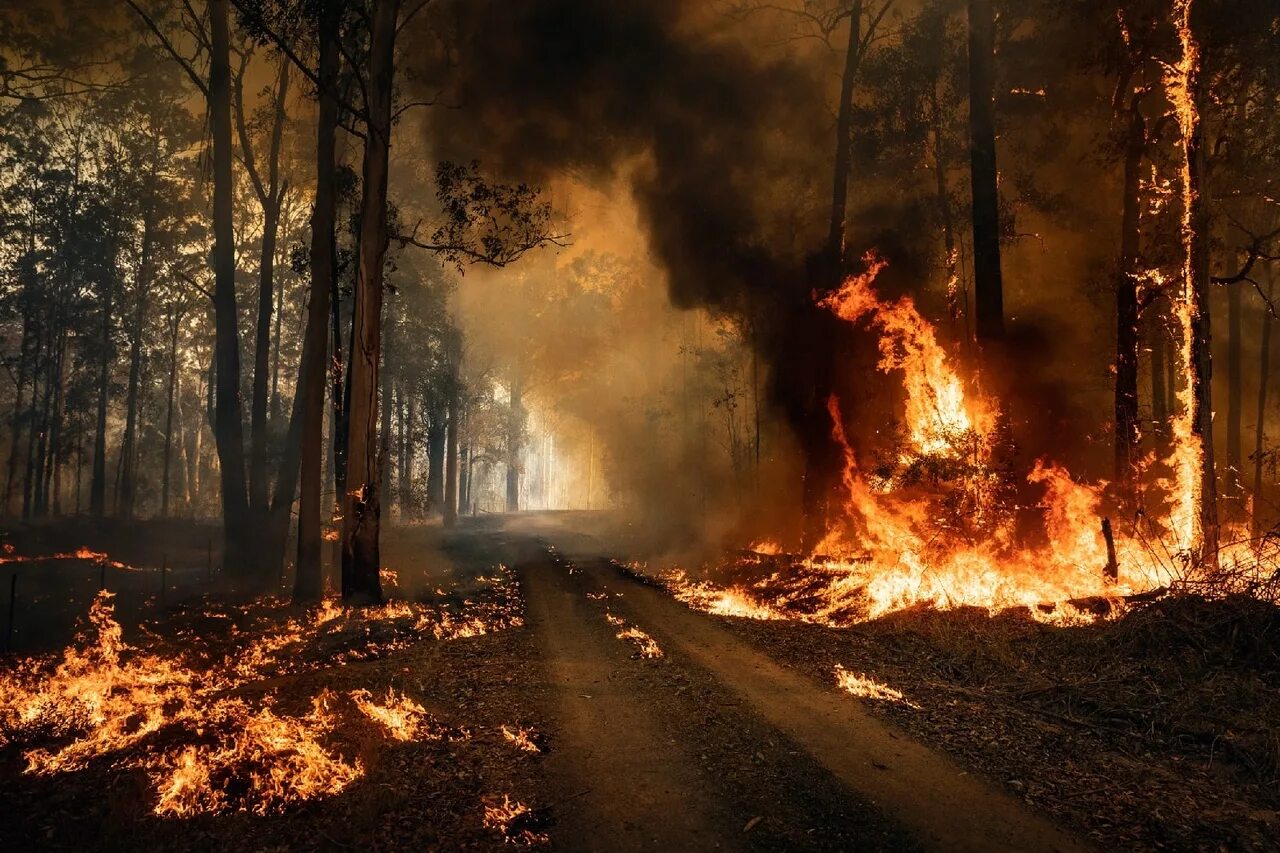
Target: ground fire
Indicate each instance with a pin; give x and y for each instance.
(639, 425)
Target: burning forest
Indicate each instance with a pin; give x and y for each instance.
(640, 424)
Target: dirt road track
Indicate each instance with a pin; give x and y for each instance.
(628, 753)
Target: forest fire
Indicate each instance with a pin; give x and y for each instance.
(463, 424)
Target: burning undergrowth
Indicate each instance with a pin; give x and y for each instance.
(192, 703)
(948, 522)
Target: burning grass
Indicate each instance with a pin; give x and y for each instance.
(188, 704)
(646, 646)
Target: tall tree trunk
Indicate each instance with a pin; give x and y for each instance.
(812, 340)
(956, 304)
(436, 435)
(228, 423)
(15, 428)
(844, 138)
(1196, 280)
(1233, 485)
(451, 443)
(175, 320)
(1259, 431)
(988, 285)
(515, 439)
(309, 577)
(1157, 337)
(270, 196)
(1126, 390)
(128, 447)
(362, 502)
(384, 433)
(98, 481)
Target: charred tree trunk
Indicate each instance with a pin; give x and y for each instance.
(362, 502)
(309, 577)
(1126, 391)
(228, 425)
(988, 285)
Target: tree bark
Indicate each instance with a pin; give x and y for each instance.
(270, 197)
(515, 438)
(1196, 283)
(308, 578)
(1259, 432)
(437, 430)
(98, 481)
(1233, 485)
(451, 443)
(175, 320)
(228, 425)
(844, 129)
(1127, 434)
(362, 501)
(988, 285)
(128, 447)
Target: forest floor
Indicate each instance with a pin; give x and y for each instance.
(647, 726)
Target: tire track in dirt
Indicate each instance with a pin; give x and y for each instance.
(942, 807)
(656, 755)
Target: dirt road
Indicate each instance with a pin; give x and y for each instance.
(715, 746)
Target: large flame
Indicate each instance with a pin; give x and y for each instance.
(891, 549)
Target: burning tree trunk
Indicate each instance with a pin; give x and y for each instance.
(1126, 392)
(362, 503)
(308, 578)
(988, 287)
(1196, 517)
(1259, 434)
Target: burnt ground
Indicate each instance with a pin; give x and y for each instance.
(734, 738)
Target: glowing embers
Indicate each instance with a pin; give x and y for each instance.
(866, 687)
(646, 646)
